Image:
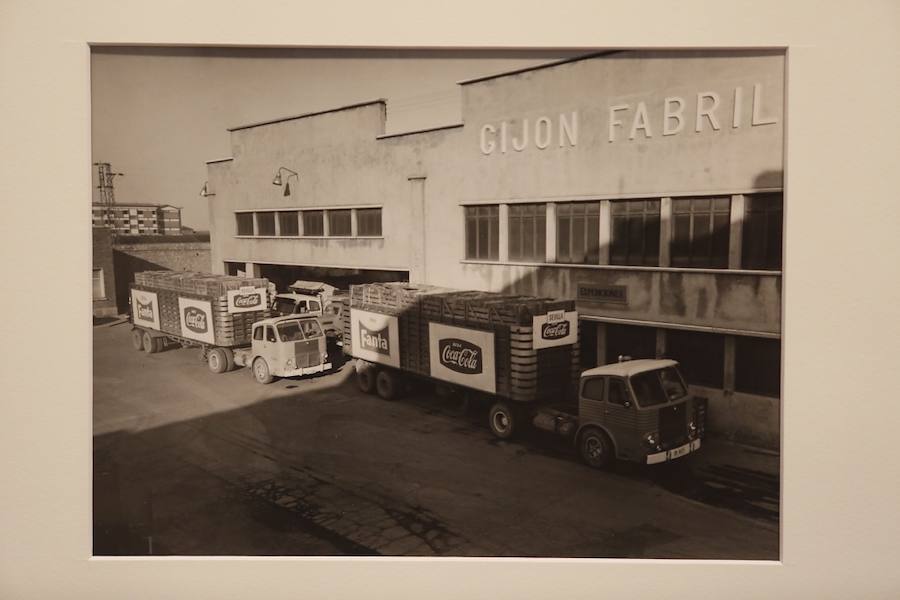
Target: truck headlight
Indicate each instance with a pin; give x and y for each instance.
(651, 439)
(692, 429)
(290, 364)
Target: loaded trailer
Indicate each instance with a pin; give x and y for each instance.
(521, 353)
(228, 319)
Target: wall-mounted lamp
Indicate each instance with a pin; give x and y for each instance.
(278, 180)
(204, 191)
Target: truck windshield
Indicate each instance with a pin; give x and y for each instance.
(284, 306)
(658, 387)
(294, 331)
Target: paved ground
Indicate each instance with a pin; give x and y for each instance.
(191, 463)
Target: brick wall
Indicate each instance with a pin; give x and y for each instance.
(132, 258)
(103, 260)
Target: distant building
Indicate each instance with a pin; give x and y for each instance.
(103, 278)
(137, 219)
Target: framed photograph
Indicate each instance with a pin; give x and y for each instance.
(488, 315)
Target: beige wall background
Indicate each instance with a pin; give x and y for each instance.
(840, 325)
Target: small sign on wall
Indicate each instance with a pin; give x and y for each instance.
(375, 337)
(556, 328)
(246, 299)
(196, 320)
(462, 356)
(145, 309)
(602, 294)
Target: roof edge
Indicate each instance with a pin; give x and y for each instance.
(416, 131)
(547, 65)
(382, 101)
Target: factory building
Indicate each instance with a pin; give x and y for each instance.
(645, 185)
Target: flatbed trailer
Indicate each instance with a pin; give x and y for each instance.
(521, 354)
(228, 319)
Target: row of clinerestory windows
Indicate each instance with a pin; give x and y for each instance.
(701, 229)
(310, 223)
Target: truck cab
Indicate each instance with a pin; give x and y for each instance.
(285, 346)
(314, 299)
(637, 410)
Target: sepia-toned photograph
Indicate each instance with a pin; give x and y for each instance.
(437, 303)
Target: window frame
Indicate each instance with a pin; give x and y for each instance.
(565, 212)
(362, 215)
(237, 227)
(484, 217)
(649, 235)
(334, 213)
(750, 243)
(281, 217)
(306, 228)
(528, 218)
(698, 215)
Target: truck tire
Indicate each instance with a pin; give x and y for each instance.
(261, 371)
(365, 378)
(217, 360)
(149, 343)
(386, 384)
(503, 420)
(595, 447)
(137, 339)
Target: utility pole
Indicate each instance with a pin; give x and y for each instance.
(105, 178)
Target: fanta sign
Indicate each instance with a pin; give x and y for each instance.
(375, 337)
(196, 320)
(376, 341)
(463, 356)
(556, 328)
(246, 299)
(145, 309)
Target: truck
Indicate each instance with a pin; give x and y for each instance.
(521, 355)
(228, 319)
(313, 298)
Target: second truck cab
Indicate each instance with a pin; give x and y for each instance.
(637, 410)
(314, 299)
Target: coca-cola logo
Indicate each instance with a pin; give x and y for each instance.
(145, 310)
(460, 356)
(195, 320)
(376, 341)
(555, 331)
(247, 300)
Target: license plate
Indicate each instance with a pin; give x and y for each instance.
(677, 452)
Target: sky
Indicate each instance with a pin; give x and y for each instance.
(158, 114)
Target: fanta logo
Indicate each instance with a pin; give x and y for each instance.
(460, 356)
(145, 310)
(247, 300)
(195, 319)
(377, 341)
(555, 331)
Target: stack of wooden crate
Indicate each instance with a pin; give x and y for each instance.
(522, 372)
(230, 329)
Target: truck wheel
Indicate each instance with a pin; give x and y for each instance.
(229, 359)
(595, 447)
(261, 371)
(149, 344)
(502, 420)
(365, 378)
(217, 361)
(386, 384)
(137, 339)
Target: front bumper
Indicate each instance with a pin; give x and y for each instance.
(304, 371)
(666, 455)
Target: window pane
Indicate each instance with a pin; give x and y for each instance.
(629, 340)
(471, 234)
(721, 225)
(619, 250)
(244, 223)
(98, 291)
(701, 356)
(339, 222)
(651, 240)
(368, 222)
(494, 224)
(515, 236)
(593, 388)
(758, 366)
(313, 223)
(540, 234)
(564, 223)
(593, 239)
(265, 223)
(288, 222)
(484, 240)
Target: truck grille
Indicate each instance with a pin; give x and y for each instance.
(673, 425)
(306, 353)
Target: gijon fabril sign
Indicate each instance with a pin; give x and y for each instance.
(709, 110)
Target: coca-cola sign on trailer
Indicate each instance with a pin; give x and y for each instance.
(556, 328)
(375, 337)
(145, 309)
(246, 299)
(196, 320)
(461, 356)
